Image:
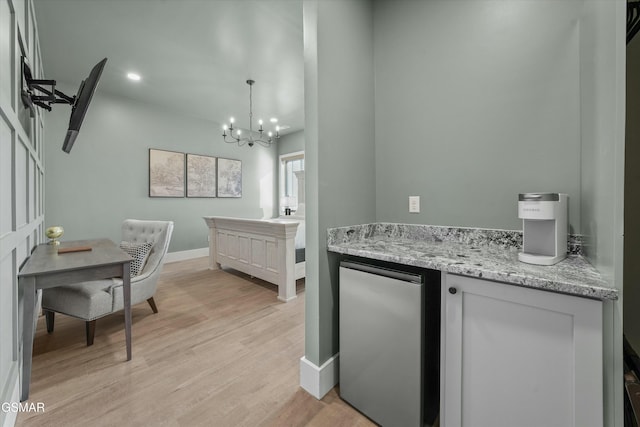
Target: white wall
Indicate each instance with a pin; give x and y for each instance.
(105, 177)
(21, 182)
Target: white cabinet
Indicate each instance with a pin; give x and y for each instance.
(514, 356)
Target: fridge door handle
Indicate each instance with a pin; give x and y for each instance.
(384, 272)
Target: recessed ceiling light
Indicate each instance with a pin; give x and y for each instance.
(133, 76)
(273, 120)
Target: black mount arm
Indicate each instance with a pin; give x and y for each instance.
(37, 87)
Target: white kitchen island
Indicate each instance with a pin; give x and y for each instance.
(263, 248)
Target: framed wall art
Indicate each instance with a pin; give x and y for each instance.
(229, 178)
(166, 173)
(201, 176)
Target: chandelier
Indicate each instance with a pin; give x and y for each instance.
(262, 139)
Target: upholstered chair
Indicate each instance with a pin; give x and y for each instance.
(91, 300)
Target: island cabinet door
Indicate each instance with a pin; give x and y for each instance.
(515, 356)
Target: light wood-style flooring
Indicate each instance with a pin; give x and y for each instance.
(222, 351)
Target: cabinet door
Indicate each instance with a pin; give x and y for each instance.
(513, 356)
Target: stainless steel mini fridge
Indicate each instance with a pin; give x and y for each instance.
(389, 343)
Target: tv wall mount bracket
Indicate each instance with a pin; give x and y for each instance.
(42, 92)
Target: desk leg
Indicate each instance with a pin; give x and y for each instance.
(126, 291)
(28, 285)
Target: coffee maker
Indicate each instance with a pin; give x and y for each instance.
(544, 227)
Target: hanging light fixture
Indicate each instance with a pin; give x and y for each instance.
(251, 139)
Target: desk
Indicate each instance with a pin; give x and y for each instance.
(45, 268)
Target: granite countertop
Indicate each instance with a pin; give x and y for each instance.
(465, 252)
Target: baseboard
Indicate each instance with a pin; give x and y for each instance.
(10, 417)
(185, 255)
(318, 381)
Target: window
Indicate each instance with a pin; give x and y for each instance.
(289, 165)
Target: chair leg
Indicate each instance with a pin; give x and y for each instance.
(49, 317)
(90, 328)
(152, 303)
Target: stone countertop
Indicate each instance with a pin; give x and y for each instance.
(574, 275)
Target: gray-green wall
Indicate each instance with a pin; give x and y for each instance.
(291, 143)
(602, 91)
(339, 152)
(476, 101)
(105, 178)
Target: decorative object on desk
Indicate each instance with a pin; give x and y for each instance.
(139, 252)
(201, 176)
(72, 249)
(166, 173)
(251, 139)
(229, 178)
(54, 233)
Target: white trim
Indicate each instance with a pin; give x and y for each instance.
(10, 416)
(185, 255)
(318, 381)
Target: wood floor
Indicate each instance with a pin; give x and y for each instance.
(222, 351)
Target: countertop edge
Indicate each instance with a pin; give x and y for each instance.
(508, 277)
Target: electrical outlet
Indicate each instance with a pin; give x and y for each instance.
(414, 204)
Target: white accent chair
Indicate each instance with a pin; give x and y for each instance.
(91, 300)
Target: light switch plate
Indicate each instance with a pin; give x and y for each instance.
(414, 204)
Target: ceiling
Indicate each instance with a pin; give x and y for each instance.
(194, 56)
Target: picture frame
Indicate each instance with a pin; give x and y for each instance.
(229, 177)
(201, 176)
(166, 173)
